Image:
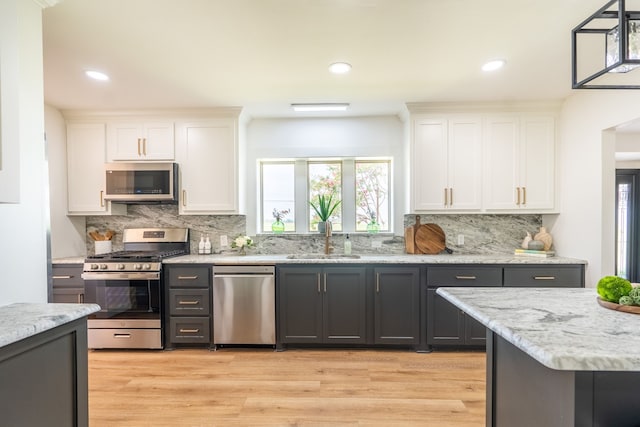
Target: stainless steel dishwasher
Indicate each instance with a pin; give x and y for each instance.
(244, 304)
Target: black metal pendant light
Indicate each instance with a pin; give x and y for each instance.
(605, 48)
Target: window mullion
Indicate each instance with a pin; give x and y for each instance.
(348, 195)
(301, 194)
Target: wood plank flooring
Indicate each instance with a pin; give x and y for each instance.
(260, 387)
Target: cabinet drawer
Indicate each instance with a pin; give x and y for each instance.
(547, 276)
(67, 276)
(464, 276)
(190, 330)
(189, 302)
(189, 277)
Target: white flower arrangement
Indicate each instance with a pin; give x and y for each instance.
(242, 242)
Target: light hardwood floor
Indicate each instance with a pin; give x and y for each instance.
(297, 387)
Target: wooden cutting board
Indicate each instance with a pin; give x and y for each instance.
(430, 239)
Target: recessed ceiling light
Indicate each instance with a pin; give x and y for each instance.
(493, 65)
(339, 67)
(320, 107)
(97, 75)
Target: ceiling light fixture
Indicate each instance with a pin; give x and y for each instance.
(97, 75)
(320, 107)
(494, 65)
(340, 68)
(615, 32)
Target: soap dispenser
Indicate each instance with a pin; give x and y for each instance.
(207, 246)
(201, 245)
(347, 245)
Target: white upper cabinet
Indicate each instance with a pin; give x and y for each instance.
(446, 163)
(207, 151)
(86, 147)
(519, 163)
(140, 141)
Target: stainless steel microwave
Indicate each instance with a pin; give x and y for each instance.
(141, 182)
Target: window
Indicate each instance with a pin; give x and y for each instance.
(278, 194)
(362, 186)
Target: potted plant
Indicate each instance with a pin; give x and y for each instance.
(324, 208)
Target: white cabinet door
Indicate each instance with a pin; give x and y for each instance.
(208, 157)
(429, 164)
(141, 141)
(520, 163)
(446, 163)
(85, 170)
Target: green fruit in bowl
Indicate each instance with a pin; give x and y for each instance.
(625, 300)
(635, 294)
(611, 288)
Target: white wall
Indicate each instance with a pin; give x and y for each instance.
(24, 225)
(327, 137)
(585, 227)
(67, 232)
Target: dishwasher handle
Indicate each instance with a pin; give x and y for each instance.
(243, 270)
(242, 275)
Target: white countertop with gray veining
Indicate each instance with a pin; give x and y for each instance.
(562, 328)
(69, 260)
(22, 320)
(232, 259)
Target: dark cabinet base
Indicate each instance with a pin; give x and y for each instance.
(43, 379)
(523, 392)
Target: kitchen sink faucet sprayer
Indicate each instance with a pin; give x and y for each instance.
(327, 238)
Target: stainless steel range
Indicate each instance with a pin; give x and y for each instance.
(127, 285)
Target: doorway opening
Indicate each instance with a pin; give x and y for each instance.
(627, 223)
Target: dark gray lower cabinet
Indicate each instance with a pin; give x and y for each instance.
(397, 305)
(447, 325)
(67, 283)
(322, 305)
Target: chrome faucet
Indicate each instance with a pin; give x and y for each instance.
(327, 238)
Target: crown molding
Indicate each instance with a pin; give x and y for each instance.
(46, 3)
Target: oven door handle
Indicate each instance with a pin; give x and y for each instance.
(121, 276)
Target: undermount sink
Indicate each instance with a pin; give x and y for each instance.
(322, 256)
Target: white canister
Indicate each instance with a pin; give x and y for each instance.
(103, 246)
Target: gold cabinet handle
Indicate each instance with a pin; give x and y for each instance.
(122, 335)
(187, 277)
(189, 331)
(139, 151)
(144, 146)
(325, 283)
(80, 298)
(451, 197)
(184, 198)
(544, 277)
(102, 198)
(524, 195)
(62, 277)
(466, 277)
(377, 283)
(188, 302)
(446, 198)
(319, 283)
(518, 193)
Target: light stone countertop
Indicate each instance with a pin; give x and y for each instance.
(23, 320)
(233, 259)
(562, 328)
(69, 260)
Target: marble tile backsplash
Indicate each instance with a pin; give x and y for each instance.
(483, 234)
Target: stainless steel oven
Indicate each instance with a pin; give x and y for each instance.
(127, 285)
(130, 314)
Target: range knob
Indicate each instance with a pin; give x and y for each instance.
(103, 266)
(137, 267)
(94, 266)
(147, 267)
(120, 267)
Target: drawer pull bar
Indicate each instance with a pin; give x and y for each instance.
(188, 302)
(187, 277)
(62, 277)
(544, 277)
(122, 335)
(466, 277)
(189, 331)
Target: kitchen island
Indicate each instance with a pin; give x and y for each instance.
(555, 357)
(43, 364)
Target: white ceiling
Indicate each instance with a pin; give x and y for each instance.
(266, 54)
